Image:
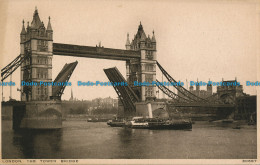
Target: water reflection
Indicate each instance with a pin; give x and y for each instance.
(125, 135)
(83, 140)
(35, 143)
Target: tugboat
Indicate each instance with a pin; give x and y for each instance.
(116, 123)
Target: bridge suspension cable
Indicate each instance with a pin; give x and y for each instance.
(171, 94)
(181, 89)
(12, 66)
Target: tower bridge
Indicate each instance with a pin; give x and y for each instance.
(43, 103)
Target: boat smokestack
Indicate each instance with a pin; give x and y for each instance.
(149, 107)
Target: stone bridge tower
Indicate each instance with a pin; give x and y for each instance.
(143, 70)
(36, 41)
(40, 111)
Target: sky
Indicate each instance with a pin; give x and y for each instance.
(195, 39)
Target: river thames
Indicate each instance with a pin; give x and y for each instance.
(85, 140)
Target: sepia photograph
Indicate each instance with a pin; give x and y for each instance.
(129, 82)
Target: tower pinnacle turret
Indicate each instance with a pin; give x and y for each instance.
(23, 33)
(49, 28)
(23, 29)
(153, 38)
(127, 44)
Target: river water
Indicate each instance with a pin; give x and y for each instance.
(85, 140)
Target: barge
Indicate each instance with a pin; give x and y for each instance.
(169, 124)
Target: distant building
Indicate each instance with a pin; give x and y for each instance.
(229, 91)
(107, 102)
(201, 93)
(231, 87)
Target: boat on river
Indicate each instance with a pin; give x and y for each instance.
(152, 123)
(116, 123)
(97, 119)
(157, 123)
(137, 122)
(171, 124)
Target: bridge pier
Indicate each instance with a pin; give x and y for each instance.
(33, 115)
(141, 109)
(41, 115)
